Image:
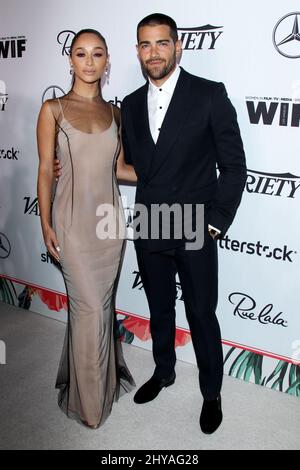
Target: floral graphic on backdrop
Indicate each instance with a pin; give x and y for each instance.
(242, 364)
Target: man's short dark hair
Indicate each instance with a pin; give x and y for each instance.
(156, 19)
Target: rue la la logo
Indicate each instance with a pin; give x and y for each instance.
(64, 38)
(246, 308)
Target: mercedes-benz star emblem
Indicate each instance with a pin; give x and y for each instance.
(52, 92)
(5, 247)
(286, 36)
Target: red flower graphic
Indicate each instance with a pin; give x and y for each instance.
(53, 300)
(140, 327)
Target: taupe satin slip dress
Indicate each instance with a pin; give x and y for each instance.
(92, 371)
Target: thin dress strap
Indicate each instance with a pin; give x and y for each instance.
(112, 112)
(61, 110)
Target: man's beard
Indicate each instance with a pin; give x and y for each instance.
(157, 73)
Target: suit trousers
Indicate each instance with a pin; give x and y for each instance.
(198, 275)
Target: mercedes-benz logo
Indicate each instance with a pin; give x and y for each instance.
(5, 247)
(52, 92)
(286, 36)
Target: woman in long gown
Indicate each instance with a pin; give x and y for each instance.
(85, 231)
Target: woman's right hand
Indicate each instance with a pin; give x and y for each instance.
(51, 242)
(57, 168)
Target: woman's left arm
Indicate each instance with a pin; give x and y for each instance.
(124, 171)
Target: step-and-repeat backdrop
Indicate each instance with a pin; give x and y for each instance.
(256, 53)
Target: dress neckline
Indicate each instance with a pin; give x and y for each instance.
(85, 98)
(90, 133)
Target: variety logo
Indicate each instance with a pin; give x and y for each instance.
(3, 95)
(286, 35)
(5, 247)
(31, 206)
(273, 110)
(10, 154)
(138, 284)
(257, 248)
(246, 308)
(199, 38)
(64, 38)
(272, 184)
(12, 47)
(52, 92)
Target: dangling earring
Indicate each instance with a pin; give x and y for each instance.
(71, 70)
(107, 74)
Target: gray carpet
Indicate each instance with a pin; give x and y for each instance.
(254, 417)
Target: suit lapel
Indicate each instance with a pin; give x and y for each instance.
(174, 119)
(142, 131)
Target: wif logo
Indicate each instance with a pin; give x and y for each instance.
(199, 38)
(12, 47)
(273, 110)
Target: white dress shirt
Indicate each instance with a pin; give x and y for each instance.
(158, 102)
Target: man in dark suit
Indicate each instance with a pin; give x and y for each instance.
(176, 130)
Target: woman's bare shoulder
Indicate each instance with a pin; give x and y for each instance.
(52, 105)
